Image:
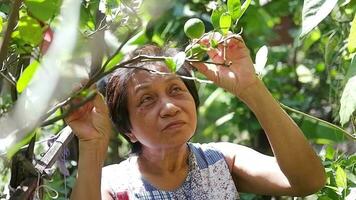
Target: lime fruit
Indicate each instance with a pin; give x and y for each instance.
(194, 28)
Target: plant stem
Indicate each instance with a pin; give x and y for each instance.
(350, 136)
(88, 98)
(10, 27)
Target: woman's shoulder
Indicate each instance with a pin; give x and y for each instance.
(121, 176)
(206, 154)
(206, 148)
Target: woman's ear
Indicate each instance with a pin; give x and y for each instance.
(132, 137)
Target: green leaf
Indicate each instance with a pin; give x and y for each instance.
(170, 64)
(215, 17)
(16, 147)
(314, 11)
(340, 177)
(86, 19)
(0, 24)
(244, 7)
(313, 37)
(330, 152)
(114, 61)
(348, 101)
(352, 69)
(234, 8)
(225, 23)
(30, 30)
(26, 76)
(214, 43)
(43, 9)
(179, 60)
(324, 197)
(332, 43)
(352, 37)
(351, 176)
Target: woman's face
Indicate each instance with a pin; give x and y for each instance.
(162, 111)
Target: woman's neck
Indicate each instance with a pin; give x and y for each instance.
(164, 161)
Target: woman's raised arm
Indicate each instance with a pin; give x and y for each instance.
(92, 125)
(295, 168)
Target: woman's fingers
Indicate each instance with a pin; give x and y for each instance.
(216, 55)
(99, 104)
(210, 71)
(79, 112)
(216, 73)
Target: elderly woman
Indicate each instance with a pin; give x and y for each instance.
(157, 114)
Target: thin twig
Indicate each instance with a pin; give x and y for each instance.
(10, 27)
(71, 109)
(168, 73)
(350, 136)
(144, 58)
(140, 58)
(105, 27)
(195, 42)
(353, 124)
(129, 36)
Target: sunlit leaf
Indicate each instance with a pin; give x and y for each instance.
(340, 177)
(114, 61)
(329, 152)
(352, 37)
(26, 76)
(313, 37)
(244, 7)
(225, 23)
(215, 17)
(0, 24)
(314, 11)
(87, 21)
(348, 101)
(234, 8)
(170, 64)
(261, 60)
(214, 43)
(179, 60)
(17, 146)
(30, 30)
(43, 9)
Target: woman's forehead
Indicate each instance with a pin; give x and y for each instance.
(144, 77)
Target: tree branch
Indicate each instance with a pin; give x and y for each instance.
(348, 135)
(10, 27)
(94, 79)
(71, 109)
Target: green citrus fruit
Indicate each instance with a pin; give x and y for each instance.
(194, 28)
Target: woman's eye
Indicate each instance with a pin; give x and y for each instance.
(176, 89)
(146, 99)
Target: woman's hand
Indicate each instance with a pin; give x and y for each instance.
(240, 74)
(91, 121)
(92, 125)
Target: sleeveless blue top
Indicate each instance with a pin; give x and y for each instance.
(208, 178)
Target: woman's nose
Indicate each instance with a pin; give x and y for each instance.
(169, 109)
